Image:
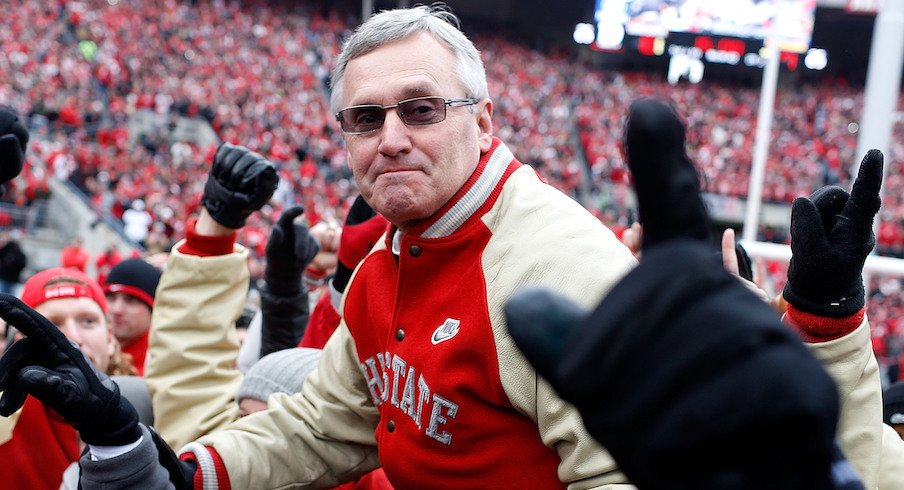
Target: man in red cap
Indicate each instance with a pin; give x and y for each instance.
(130, 290)
(76, 304)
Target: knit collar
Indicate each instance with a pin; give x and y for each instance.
(477, 190)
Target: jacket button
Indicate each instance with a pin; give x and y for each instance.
(390, 426)
(400, 335)
(415, 250)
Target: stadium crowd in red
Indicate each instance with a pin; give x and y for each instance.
(257, 74)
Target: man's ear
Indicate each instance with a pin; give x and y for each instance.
(485, 124)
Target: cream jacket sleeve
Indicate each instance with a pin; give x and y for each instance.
(891, 466)
(851, 363)
(7, 424)
(192, 350)
(313, 439)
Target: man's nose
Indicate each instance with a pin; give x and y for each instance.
(71, 330)
(394, 135)
(114, 303)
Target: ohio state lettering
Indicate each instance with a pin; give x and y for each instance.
(391, 379)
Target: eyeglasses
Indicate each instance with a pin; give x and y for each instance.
(419, 111)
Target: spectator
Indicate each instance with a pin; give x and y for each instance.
(892, 465)
(106, 261)
(362, 230)
(893, 407)
(130, 290)
(281, 371)
(75, 304)
(281, 320)
(74, 255)
(137, 222)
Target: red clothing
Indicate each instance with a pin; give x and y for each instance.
(139, 351)
(74, 257)
(41, 448)
(104, 263)
(814, 328)
(322, 323)
(432, 394)
(375, 480)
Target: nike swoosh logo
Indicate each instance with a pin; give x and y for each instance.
(445, 331)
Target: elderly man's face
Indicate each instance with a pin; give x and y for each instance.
(406, 173)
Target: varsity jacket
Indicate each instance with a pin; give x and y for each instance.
(188, 374)
(422, 369)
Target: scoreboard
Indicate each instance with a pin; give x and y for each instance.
(693, 32)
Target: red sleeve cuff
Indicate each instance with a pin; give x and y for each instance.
(221, 482)
(815, 328)
(206, 246)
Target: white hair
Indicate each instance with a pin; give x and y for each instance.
(392, 25)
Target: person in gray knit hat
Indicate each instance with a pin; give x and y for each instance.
(279, 372)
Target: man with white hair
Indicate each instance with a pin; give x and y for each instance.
(421, 376)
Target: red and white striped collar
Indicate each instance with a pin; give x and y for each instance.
(473, 195)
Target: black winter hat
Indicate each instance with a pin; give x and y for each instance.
(134, 277)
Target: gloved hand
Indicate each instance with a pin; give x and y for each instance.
(13, 141)
(362, 228)
(289, 250)
(665, 179)
(670, 208)
(49, 367)
(240, 182)
(831, 236)
(679, 343)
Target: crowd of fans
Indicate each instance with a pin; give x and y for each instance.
(814, 139)
(258, 75)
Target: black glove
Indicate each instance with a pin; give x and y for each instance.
(13, 141)
(284, 301)
(665, 179)
(670, 208)
(679, 343)
(240, 182)
(49, 367)
(831, 236)
(289, 250)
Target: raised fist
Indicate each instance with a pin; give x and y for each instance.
(240, 182)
